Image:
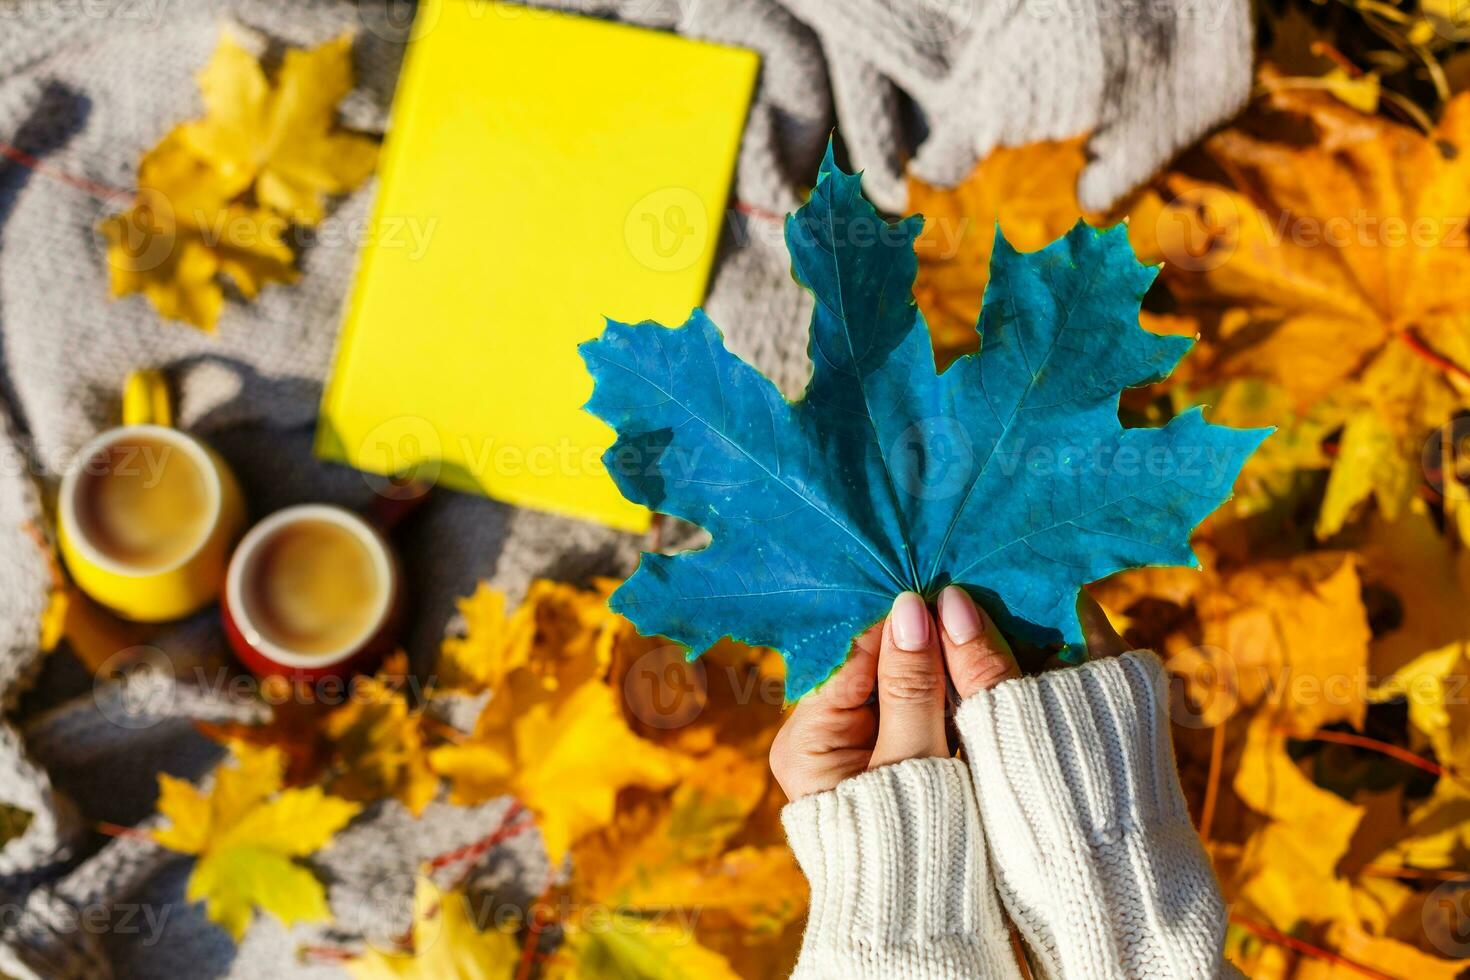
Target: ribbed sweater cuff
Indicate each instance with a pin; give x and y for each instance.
(897, 868)
(1090, 839)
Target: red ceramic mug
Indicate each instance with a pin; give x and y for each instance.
(312, 591)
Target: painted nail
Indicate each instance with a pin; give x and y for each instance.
(910, 622)
(958, 615)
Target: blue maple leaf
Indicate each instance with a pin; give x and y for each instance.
(1009, 474)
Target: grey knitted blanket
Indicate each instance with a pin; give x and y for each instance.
(86, 86)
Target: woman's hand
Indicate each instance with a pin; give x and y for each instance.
(841, 729)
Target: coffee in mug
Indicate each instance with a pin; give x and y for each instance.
(146, 516)
(143, 502)
(310, 589)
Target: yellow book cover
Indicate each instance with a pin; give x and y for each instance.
(554, 170)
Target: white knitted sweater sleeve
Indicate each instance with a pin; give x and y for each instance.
(1090, 841)
(900, 888)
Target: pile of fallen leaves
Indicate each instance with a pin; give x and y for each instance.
(1320, 253)
(644, 775)
(218, 196)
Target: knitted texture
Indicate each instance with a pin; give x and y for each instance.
(86, 88)
(1093, 851)
(1146, 79)
(898, 876)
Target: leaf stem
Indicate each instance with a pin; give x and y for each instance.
(1419, 347)
(1212, 783)
(1305, 948)
(1376, 745)
(118, 830)
(1412, 874)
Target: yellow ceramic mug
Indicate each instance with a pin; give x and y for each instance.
(146, 533)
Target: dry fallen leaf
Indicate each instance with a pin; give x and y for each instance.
(553, 732)
(629, 947)
(565, 757)
(1321, 269)
(1288, 872)
(490, 646)
(676, 852)
(445, 944)
(216, 196)
(1029, 191)
(280, 140)
(379, 745)
(367, 745)
(244, 833)
(182, 235)
(1250, 637)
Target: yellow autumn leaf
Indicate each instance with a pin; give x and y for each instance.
(1317, 267)
(379, 742)
(53, 618)
(1277, 474)
(553, 733)
(1413, 563)
(1360, 91)
(1437, 832)
(1029, 191)
(559, 636)
(182, 235)
(733, 695)
(94, 634)
(281, 139)
(1430, 684)
(565, 758)
(492, 644)
(369, 746)
(1289, 868)
(629, 947)
(1388, 956)
(244, 834)
(445, 944)
(1369, 463)
(714, 842)
(676, 852)
(1270, 618)
(216, 195)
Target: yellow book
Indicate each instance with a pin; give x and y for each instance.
(541, 171)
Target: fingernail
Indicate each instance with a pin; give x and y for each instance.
(910, 622)
(957, 613)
